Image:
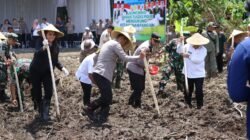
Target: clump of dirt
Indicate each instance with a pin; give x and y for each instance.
(218, 119)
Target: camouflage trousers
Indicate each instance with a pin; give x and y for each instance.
(120, 65)
(3, 77)
(168, 70)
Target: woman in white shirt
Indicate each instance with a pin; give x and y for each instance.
(194, 57)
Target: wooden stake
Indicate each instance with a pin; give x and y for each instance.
(53, 79)
(151, 85)
(18, 86)
(184, 51)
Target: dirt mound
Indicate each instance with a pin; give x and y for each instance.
(218, 119)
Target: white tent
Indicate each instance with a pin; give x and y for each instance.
(80, 11)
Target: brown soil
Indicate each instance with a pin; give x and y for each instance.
(216, 120)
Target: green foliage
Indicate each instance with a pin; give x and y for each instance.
(229, 13)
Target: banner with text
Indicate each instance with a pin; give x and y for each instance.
(147, 16)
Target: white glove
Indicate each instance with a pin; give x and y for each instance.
(45, 44)
(66, 72)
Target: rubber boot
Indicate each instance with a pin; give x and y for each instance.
(45, 112)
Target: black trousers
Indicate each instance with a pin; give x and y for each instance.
(70, 39)
(62, 13)
(86, 93)
(137, 84)
(38, 79)
(98, 37)
(33, 41)
(219, 60)
(23, 39)
(104, 86)
(198, 84)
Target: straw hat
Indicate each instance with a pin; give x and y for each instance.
(2, 37)
(197, 39)
(129, 29)
(52, 28)
(236, 33)
(114, 35)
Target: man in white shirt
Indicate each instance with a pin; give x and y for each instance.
(136, 70)
(61, 3)
(44, 23)
(83, 74)
(106, 35)
(194, 53)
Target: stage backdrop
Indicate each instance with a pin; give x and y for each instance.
(146, 16)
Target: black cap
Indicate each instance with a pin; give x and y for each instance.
(156, 37)
(111, 27)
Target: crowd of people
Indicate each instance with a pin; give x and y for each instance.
(27, 35)
(192, 57)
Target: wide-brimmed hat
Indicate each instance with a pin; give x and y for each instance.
(197, 39)
(236, 33)
(114, 35)
(52, 28)
(129, 29)
(2, 37)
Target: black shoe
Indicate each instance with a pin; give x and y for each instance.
(160, 92)
(137, 104)
(190, 105)
(199, 107)
(89, 112)
(131, 100)
(90, 109)
(102, 116)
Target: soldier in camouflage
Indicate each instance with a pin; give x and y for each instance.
(174, 65)
(22, 69)
(3, 68)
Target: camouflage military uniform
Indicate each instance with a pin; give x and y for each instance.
(173, 65)
(4, 51)
(118, 73)
(22, 69)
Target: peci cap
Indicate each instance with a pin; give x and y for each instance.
(156, 37)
